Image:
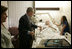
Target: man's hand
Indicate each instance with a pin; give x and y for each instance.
(31, 33)
(40, 28)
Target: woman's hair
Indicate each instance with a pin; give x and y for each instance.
(3, 9)
(65, 19)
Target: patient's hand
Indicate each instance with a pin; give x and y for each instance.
(54, 22)
(40, 28)
(49, 25)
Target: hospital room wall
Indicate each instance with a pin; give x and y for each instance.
(66, 10)
(4, 3)
(16, 10)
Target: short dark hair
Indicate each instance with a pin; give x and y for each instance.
(3, 9)
(29, 9)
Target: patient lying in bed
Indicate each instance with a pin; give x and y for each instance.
(49, 31)
(47, 24)
(46, 33)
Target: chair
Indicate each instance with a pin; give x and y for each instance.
(14, 32)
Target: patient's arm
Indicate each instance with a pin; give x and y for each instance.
(57, 24)
(52, 27)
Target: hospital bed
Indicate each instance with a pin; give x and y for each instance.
(47, 33)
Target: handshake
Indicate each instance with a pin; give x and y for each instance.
(32, 32)
(40, 28)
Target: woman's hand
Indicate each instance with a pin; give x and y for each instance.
(62, 29)
(61, 33)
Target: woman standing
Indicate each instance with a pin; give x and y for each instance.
(5, 34)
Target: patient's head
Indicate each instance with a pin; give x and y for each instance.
(47, 22)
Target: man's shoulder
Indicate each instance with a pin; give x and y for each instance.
(23, 16)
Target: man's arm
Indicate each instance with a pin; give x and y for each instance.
(33, 25)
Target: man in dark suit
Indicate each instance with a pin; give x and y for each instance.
(25, 29)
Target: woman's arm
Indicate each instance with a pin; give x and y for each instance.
(58, 24)
(63, 29)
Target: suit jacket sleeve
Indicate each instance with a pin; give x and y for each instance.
(34, 26)
(24, 24)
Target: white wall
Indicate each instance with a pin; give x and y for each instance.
(67, 12)
(65, 9)
(16, 10)
(4, 3)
